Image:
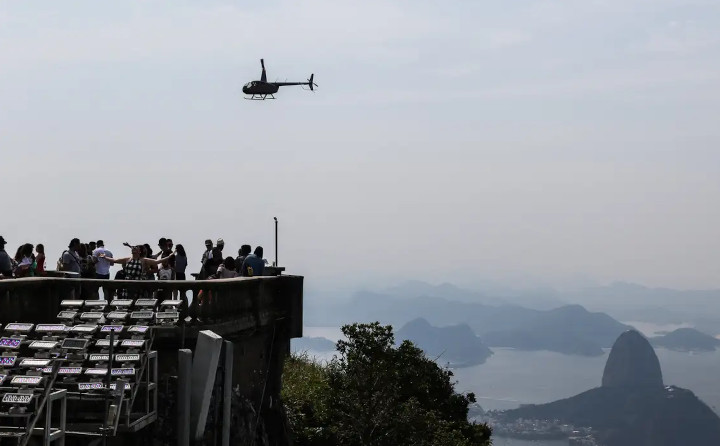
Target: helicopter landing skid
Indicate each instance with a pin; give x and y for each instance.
(260, 97)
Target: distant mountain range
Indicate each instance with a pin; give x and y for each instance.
(632, 302)
(569, 329)
(316, 344)
(455, 345)
(623, 301)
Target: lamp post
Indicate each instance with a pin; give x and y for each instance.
(276, 241)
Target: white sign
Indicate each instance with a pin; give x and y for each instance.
(138, 329)
(17, 398)
(29, 380)
(70, 371)
(50, 328)
(96, 371)
(133, 343)
(71, 303)
(99, 357)
(32, 362)
(19, 327)
(127, 358)
(84, 328)
(43, 344)
(90, 386)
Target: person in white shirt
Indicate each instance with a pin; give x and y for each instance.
(102, 266)
(226, 270)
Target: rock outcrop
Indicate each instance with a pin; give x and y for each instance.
(687, 340)
(632, 408)
(456, 345)
(632, 363)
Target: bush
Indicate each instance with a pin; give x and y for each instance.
(373, 393)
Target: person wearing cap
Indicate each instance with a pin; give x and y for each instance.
(208, 251)
(5, 263)
(215, 258)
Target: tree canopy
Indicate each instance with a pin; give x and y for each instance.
(376, 393)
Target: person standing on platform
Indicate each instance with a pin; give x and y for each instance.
(136, 266)
(243, 252)
(70, 261)
(5, 263)
(102, 266)
(40, 260)
(254, 265)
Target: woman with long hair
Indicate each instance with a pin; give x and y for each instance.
(180, 266)
(40, 259)
(150, 270)
(26, 263)
(180, 262)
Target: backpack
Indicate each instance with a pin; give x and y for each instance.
(59, 265)
(165, 274)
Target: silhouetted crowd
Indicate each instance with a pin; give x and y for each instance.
(93, 260)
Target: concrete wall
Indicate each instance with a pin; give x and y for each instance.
(259, 315)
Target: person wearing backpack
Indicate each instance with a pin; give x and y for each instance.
(70, 260)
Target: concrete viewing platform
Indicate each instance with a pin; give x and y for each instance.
(258, 315)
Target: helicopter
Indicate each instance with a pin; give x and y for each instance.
(260, 90)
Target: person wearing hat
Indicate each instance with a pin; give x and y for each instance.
(5, 263)
(208, 251)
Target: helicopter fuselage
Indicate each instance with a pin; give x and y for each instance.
(260, 87)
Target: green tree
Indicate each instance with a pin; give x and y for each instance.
(376, 393)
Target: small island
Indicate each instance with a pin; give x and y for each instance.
(686, 340)
(456, 345)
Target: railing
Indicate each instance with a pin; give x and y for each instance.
(228, 305)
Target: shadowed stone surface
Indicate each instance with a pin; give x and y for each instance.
(632, 363)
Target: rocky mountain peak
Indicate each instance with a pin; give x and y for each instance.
(632, 363)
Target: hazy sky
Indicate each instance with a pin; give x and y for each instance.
(447, 140)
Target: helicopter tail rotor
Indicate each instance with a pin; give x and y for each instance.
(312, 84)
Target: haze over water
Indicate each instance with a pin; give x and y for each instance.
(525, 138)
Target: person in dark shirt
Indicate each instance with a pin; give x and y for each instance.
(5, 263)
(254, 265)
(243, 252)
